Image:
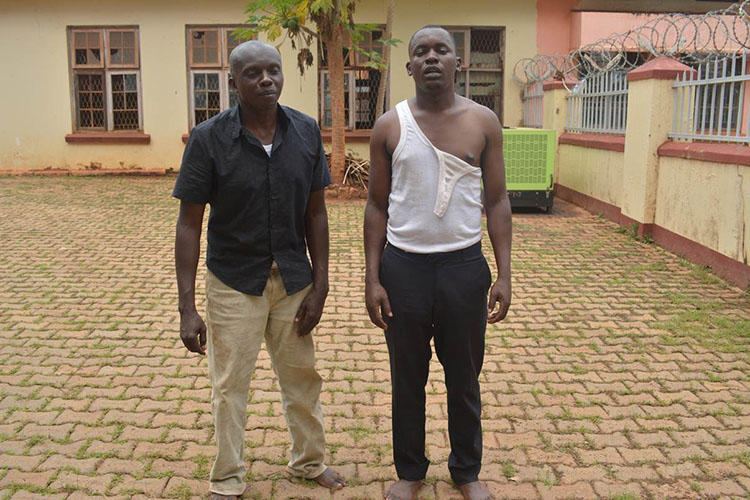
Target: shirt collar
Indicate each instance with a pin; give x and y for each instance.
(282, 121)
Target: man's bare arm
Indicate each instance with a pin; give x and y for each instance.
(376, 218)
(186, 254)
(316, 234)
(497, 208)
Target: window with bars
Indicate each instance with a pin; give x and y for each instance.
(360, 85)
(482, 53)
(208, 70)
(105, 77)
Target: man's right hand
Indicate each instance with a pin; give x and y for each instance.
(193, 331)
(376, 299)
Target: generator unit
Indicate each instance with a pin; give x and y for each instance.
(529, 155)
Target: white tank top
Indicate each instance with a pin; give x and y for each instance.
(435, 202)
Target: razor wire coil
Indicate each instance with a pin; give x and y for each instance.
(689, 38)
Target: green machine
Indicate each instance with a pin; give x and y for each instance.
(529, 166)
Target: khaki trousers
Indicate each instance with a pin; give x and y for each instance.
(237, 324)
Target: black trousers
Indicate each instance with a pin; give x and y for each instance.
(440, 296)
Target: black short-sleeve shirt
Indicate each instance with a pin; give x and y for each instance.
(258, 203)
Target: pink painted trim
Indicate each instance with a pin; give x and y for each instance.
(108, 138)
(731, 270)
(728, 268)
(55, 172)
(731, 154)
(609, 142)
(557, 84)
(661, 68)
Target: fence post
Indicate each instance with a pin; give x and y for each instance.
(555, 111)
(650, 108)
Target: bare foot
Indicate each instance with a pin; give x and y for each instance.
(403, 490)
(476, 491)
(330, 479)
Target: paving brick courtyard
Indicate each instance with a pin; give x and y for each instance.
(621, 372)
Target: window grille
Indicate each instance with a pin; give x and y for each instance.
(599, 104)
(709, 102)
(482, 52)
(105, 77)
(208, 70)
(533, 99)
(361, 85)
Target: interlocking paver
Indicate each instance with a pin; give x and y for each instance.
(620, 370)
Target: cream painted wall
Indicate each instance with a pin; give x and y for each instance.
(593, 172)
(36, 99)
(517, 16)
(706, 202)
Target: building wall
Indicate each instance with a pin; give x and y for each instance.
(706, 202)
(594, 172)
(36, 96)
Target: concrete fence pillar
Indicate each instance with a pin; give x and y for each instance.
(650, 114)
(555, 111)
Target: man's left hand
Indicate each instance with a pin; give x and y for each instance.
(499, 296)
(310, 311)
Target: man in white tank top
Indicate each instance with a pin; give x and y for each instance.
(426, 277)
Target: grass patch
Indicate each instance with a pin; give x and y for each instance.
(710, 329)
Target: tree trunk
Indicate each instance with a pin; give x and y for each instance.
(385, 74)
(338, 118)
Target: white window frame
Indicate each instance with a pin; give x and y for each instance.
(467, 70)
(349, 76)
(223, 89)
(222, 67)
(103, 69)
(108, 94)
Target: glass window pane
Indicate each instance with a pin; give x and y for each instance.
(486, 88)
(97, 100)
(461, 83)
(213, 81)
(130, 82)
(128, 39)
(232, 42)
(128, 56)
(117, 84)
(84, 119)
(205, 46)
(93, 56)
(80, 56)
(232, 96)
(93, 40)
(98, 119)
(199, 81)
(118, 101)
(131, 100)
(115, 56)
(200, 100)
(197, 55)
(79, 40)
(115, 39)
(460, 38)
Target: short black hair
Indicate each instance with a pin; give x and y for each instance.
(432, 26)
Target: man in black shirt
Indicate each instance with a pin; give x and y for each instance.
(261, 166)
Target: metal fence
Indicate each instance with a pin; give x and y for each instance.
(709, 102)
(599, 104)
(533, 99)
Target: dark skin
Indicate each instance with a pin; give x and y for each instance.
(440, 113)
(258, 79)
